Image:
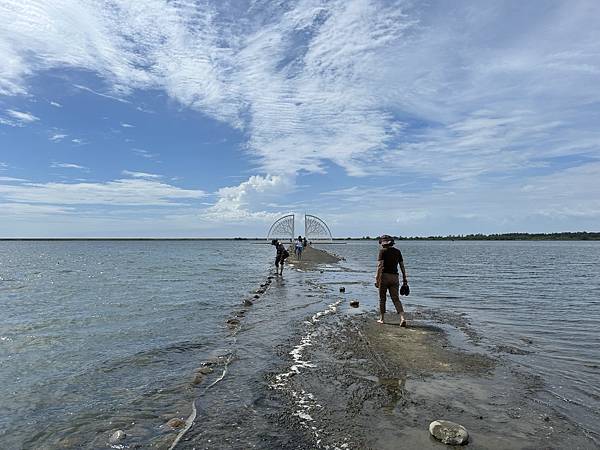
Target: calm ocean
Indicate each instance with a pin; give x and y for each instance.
(103, 335)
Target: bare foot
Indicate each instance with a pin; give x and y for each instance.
(380, 321)
(403, 323)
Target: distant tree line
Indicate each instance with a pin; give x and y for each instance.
(564, 236)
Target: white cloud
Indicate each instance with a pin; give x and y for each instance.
(57, 137)
(23, 117)
(78, 141)
(247, 200)
(10, 123)
(100, 94)
(141, 174)
(67, 166)
(127, 125)
(56, 104)
(11, 179)
(29, 211)
(3, 165)
(117, 192)
(144, 153)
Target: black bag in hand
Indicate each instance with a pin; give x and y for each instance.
(404, 289)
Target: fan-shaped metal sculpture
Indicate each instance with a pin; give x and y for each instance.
(282, 228)
(316, 229)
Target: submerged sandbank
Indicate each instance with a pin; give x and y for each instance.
(379, 386)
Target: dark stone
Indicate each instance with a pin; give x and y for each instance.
(233, 322)
(204, 370)
(176, 422)
(449, 432)
(257, 296)
(248, 303)
(354, 303)
(342, 289)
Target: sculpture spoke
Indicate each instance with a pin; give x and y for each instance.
(316, 229)
(282, 228)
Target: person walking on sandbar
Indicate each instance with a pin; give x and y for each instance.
(282, 255)
(387, 277)
(299, 247)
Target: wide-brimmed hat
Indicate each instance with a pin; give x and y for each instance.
(386, 239)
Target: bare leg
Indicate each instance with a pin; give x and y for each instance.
(397, 303)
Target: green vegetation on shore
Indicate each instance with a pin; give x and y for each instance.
(564, 236)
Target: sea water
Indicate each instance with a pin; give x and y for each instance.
(103, 335)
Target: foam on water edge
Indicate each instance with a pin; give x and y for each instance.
(305, 401)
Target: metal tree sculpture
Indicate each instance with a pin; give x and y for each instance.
(316, 228)
(282, 228)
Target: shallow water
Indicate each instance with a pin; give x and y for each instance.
(535, 303)
(101, 335)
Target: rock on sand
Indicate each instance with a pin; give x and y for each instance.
(176, 422)
(117, 436)
(449, 432)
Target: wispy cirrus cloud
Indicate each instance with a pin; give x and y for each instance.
(133, 174)
(57, 137)
(21, 116)
(15, 118)
(144, 153)
(28, 211)
(347, 82)
(57, 165)
(12, 179)
(131, 192)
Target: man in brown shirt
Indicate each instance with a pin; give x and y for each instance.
(387, 278)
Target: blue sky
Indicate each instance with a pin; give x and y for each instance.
(213, 118)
